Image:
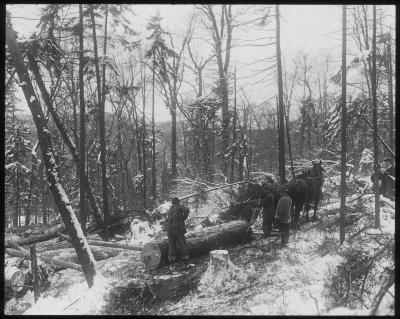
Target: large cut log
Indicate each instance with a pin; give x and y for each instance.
(48, 234)
(64, 264)
(200, 242)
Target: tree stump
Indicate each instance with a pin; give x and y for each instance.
(223, 276)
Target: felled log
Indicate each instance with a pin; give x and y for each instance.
(48, 234)
(138, 296)
(200, 242)
(113, 245)
(64, 264)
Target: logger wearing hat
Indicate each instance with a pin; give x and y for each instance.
(176, 230)
(283, 209)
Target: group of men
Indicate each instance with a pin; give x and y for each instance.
(178, 213)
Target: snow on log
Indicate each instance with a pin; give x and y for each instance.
(222, 275)
(14, 278)
(113, 245)
(49, 234)
(64, 264)
(200, 242)
(41, 234)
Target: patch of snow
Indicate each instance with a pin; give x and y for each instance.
(141, 233)
(343, 311)
(78, 300)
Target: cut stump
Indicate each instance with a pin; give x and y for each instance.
(223, 276)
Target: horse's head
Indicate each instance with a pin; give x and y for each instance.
(317, 168)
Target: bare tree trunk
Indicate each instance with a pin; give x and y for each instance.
(153, 170)
(281, 136)
(231, 179)
(375, 117)
(390, 94)
(60, 197)
(184, 143)
(174, 155)
(143, 75)
(343, 128)
(82, 151)
(101, 101)
(16, 221)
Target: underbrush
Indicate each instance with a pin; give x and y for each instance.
(364, 270)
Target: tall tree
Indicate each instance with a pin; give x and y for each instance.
(169, 75)
(281, 135)
(60, 197)
(101, 103)
(143, 80)
(344, 121)
(231, 179)
(153, 132)
(82, 151)
(218, 35)
(375, 117)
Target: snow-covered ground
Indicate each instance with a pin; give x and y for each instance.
(287, 281)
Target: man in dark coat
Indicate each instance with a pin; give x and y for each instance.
(176, 230)
(283, 209)
(388, 178)
(268, 206)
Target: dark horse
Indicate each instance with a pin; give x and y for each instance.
(304, 189)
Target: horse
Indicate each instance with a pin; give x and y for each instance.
(387, 182)
(306, 187)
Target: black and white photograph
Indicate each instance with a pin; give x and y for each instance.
(199, 159)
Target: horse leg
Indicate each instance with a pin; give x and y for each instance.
(315, 209)
(307, 208)
(298, 208)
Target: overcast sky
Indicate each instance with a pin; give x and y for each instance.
(313, 29)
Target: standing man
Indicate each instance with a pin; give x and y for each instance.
(388, 178)
(176, 230)
(283, 209)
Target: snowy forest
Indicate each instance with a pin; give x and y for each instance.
(115, 111)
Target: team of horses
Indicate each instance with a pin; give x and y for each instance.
(305, 190)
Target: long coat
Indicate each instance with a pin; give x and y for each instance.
(176, 217)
